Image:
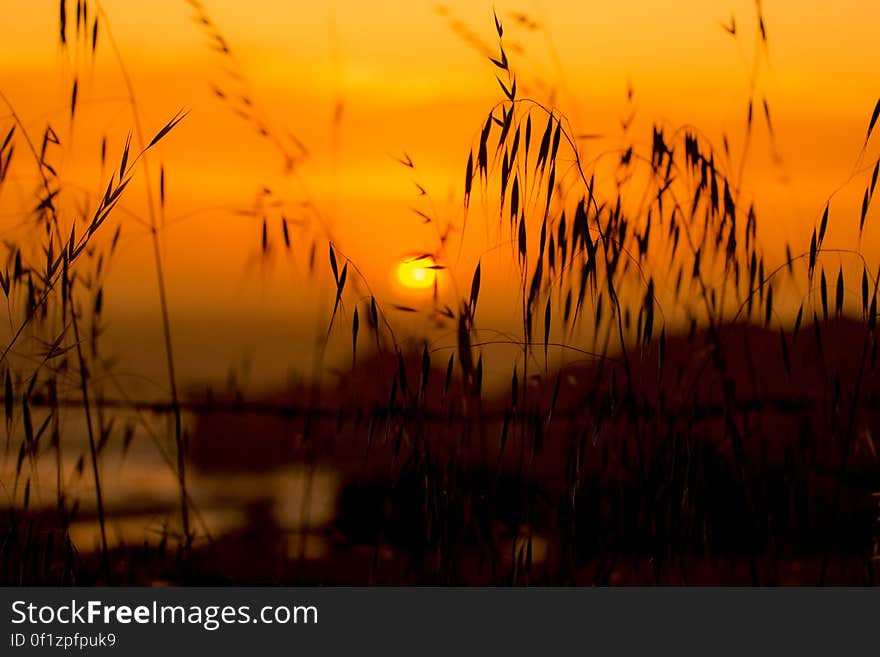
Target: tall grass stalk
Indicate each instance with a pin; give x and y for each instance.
(93, 451)
(161, 285)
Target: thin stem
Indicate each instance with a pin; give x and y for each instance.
(93, 451)
(160, 280)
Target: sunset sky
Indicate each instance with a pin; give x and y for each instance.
(401, 79)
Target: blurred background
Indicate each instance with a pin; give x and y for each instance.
(351, 123)
(361, 86)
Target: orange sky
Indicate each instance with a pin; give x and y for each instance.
(409, 83)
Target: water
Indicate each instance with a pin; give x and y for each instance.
(141, 492)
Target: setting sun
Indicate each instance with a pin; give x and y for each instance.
(416, 274)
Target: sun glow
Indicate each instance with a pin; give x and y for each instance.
(416, 273)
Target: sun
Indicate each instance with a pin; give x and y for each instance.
(416, 273)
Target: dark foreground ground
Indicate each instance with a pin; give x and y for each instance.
(749, 464)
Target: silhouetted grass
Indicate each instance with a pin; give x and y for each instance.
(701, 436)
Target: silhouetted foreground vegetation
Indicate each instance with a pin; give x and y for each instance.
(709, 429)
